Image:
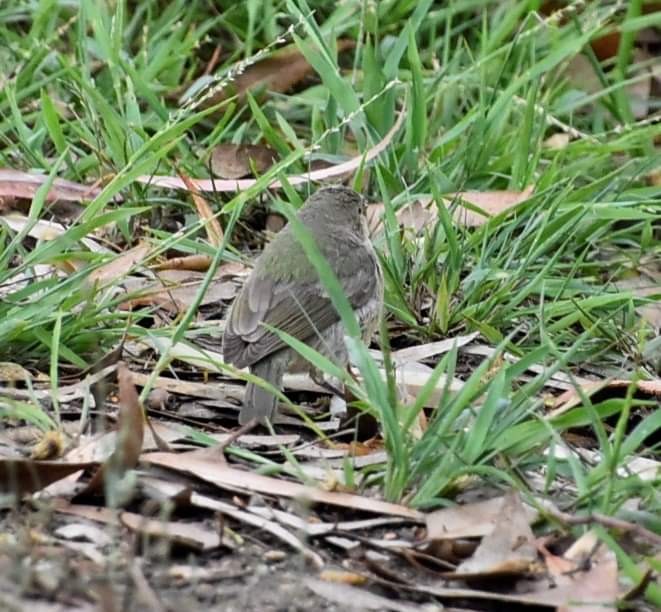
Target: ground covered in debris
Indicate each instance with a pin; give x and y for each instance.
(496, 447)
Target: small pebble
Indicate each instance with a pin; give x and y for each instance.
(272, 556)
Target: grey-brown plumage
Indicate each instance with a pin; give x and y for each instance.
(284, 292)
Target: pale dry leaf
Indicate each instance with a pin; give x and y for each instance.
(233, 186)
(217, 391)
(227, 477)
(571, 398)
(47, 230)
(50, 445)
(431, 349)
(175, 290)
(353, 598)
(580, 74)
(491, 202)
(119, 266)
(189, 262)
(99, 447)
(13, 372)
(197, 536)
(84, 531)
(278, 73)
(146, 597)
(130, 433)
(203, 501)
(312, 527)
(510, 547)
(643, 287)
(15, 183)
(592, 586)
(342, 577)
(411, 376)
(420, 214)
(471, 520)
(557, 141)
(211, 223)
(20, 476)
(232, 161)
(99, 514)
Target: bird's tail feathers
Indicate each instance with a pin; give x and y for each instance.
(260, 403)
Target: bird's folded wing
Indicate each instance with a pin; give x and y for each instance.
(300, 310)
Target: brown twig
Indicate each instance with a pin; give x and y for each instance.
(237, 433)
(609, 522)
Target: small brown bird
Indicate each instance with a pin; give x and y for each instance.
(284, 291)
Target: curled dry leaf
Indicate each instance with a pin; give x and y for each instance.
(130, 433)
(21, 476)
(354, 598)
(231, 478)
(586, 574)
(211, 223)
(14, 183)
(232, 161)
(510, 547)
(197, 536)
(118, 266)
(646, 286)
(471, 520)
(342, 577)
(198, 263)
(278, 73)
(47, 230)
(193, 535)
(571, 398)
(13, 372)
(175, 290)
(50, 446)
(233, 186)
(423, 213)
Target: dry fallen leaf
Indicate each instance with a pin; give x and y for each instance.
(557, 141)
(48, 230)
(197, 536)
(278, 73)
(174, 290)
(212, 225)
(84, 531)
(14, 183)
(227, 477)
(342, 577)
(119, 266)
(50, 446)
(423, 213)
(591, 583)
(431, 349)
(510, 547)
(354, 598)
(130, 433)
(20, 476)
(13, 372)
(646, 286)
(571, 398)
(198, 263)
(470, 520)
(232, 161)
(491, 202)
(233, 186)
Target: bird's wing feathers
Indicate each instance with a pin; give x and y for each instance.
(297, 308)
